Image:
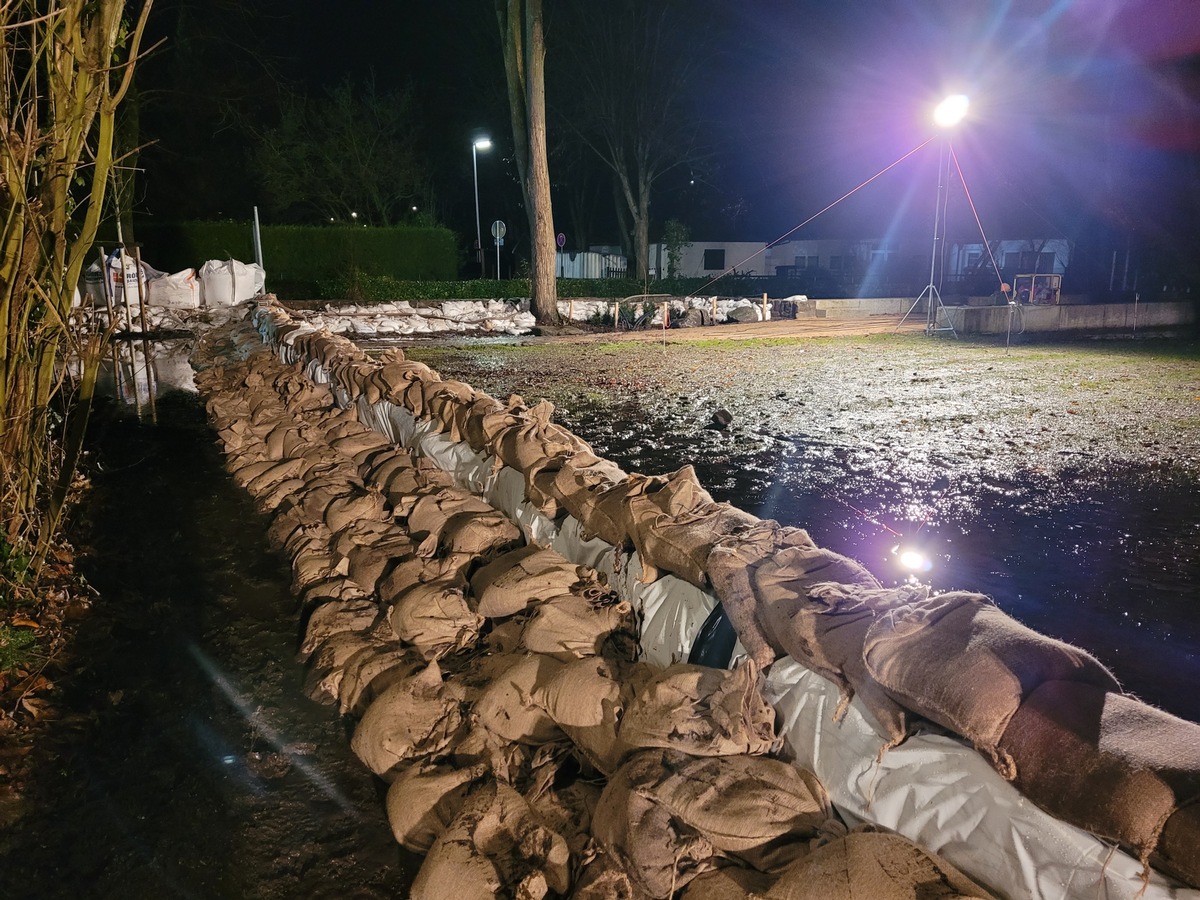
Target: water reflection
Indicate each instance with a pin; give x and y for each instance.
(1105, 558)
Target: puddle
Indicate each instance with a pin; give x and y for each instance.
(188, 763)
(1104, 557)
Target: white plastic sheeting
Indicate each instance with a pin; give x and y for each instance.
(939, 792)
(717, 307)
(932, 789)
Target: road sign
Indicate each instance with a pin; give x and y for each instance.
(498, 229)
(561, 240)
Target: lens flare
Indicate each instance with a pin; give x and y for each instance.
(951, 111)
(912, 559)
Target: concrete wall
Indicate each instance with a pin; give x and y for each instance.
(1098, 317)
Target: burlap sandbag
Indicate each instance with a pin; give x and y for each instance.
(604, 513)
(528, 575)
(326, 665)
(567, 808)
(576, 624)
(443, 404)
(603, 877)
(336, 617)
(1178, 850)
(677, 496)
(681, 542)
(728, 883)
(494, 847)
(405, 572)
(729, 567)
(877, 866)
(368, 562)
(418, 718)
(701, 711)
(430, 510)
(424, 799)
(395, 376)
(269, 477)
(485, 417)
(466, 417)
(483, 535)
(579, 479)
(658, 852)
(385, 465)
(269, 501)
(826, 629)
(1104, 761)
(585, 700)
(353, 445)
(371, 671)
(763, 811)
(961, 662)
(507, 706)
(531, 437)
(435, 617)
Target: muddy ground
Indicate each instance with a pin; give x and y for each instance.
(961, 406)
(1062, 479)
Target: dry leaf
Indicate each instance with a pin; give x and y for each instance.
(36, 708)
(22, 622)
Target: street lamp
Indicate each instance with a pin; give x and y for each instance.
(479, 144)
(946, 115)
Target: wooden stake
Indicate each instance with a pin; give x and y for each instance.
(137, 261)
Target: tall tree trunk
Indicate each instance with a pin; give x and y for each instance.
(523, 38)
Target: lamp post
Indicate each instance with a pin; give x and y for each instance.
(946, 115)
(479, 144)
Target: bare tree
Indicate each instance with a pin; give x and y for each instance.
(353, 151)
(522, 37)
(65, 67)
(632, 66)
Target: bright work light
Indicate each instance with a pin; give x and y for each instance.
(951, 111)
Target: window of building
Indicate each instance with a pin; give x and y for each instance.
(807, 262)
(835, 264)
(714, 260)
(973, 258)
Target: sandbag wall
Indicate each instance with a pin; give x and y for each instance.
(495, 686)
(786, 595)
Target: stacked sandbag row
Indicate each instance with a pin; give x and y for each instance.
(954, 659)
(484, 722)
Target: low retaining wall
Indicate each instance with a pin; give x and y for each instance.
(1101, 317)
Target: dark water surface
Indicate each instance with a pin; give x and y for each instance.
(1107, 558)
(188, 763)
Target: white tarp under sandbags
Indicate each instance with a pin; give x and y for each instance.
(942, 794)
(226, 282)
(178, 290)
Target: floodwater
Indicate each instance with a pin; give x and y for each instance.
(1104, 557)
(187, 762)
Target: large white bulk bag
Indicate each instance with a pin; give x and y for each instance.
(123, 275)
(225, 282)
(179, 290)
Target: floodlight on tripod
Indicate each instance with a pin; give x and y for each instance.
(946, 115)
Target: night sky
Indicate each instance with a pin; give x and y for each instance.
(1085, 113)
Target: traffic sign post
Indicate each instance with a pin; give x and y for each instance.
(561, 240)
(498, 232)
